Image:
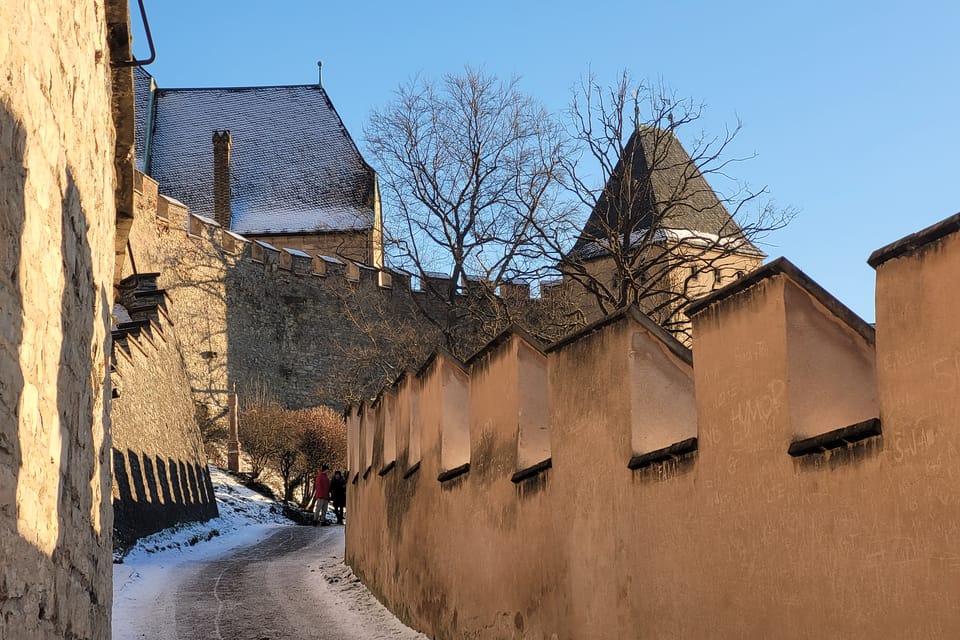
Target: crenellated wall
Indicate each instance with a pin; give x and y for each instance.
(795, 479)
(160, 474)
(250, 314)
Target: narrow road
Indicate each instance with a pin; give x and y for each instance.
(291, 586)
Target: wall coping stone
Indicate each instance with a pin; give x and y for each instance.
(782, 266)
(909, 244)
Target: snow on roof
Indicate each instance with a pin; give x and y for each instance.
(330, 259)
(237, 236)
(294, 166)
(266, 245)
(672, 189)
(296, 252)
(293, 221)
(596, 249)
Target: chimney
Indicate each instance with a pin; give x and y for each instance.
(221, 178)
(320, 73)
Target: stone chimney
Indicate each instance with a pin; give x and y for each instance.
(221, 178)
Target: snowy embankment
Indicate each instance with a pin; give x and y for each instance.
(245, 516)
(148, 580)
(146, 572)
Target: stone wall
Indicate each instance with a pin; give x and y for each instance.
(160, 474)
(351, 245)
(57, 225)
(253, 316)
(796, 480)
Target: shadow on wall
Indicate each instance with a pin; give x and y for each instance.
(81, 459)
(65, 589)
(153, 494)
(12, 178)
(12, 215)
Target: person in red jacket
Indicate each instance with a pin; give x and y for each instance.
(321, 493)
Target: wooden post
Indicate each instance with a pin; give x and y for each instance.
(233, 446)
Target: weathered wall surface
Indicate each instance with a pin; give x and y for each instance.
(57, 222)
(192, 272)
(817, 499)
(160, 474)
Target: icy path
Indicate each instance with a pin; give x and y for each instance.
(259, 581)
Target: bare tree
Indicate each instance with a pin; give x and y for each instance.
(321, 440)
(658, 235)
(391, 335)
(260, 431)
(469, 169)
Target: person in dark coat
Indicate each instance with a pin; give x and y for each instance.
(338, 495)
(321, 493)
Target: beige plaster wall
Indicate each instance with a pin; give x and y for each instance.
(57, 217)
(736, 539)
(698, 272)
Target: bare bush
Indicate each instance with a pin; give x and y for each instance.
(293, 443)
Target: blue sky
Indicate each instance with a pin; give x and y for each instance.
(850, 107)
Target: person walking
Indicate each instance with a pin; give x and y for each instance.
(321, 493)
(338, 495)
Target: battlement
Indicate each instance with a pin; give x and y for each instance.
(159, 478)
(251, 311)
(172, 215)
(795, 458)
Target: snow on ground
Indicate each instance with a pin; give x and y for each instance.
(245, 517)
(149, 572)
(144, 573)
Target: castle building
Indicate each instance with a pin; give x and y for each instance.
(274, 164)
(658, 219)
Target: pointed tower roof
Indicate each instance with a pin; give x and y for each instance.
(669, 192)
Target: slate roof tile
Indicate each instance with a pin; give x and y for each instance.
(294, 166)
(676, 195)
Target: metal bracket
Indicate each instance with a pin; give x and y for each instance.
(153, 52)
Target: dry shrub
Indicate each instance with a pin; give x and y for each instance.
(293, 443)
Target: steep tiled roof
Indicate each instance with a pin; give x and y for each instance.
(676, 196)
(142, 87)
(294, 166)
